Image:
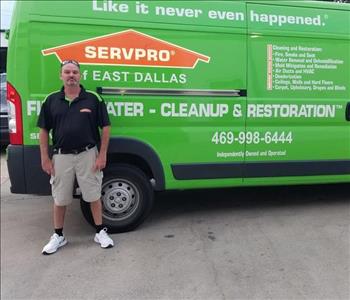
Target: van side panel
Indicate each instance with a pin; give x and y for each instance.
(221, 93)
(183, 111)
(298, 90)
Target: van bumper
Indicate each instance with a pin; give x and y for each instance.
(24, 168)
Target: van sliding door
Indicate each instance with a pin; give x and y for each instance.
(298, 82)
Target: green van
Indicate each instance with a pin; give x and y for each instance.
(201, 94)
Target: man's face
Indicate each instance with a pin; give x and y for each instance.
(70, 75)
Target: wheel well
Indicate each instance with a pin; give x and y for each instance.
(130, 159)
(139, 154)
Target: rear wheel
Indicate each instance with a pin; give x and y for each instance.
(127, 199)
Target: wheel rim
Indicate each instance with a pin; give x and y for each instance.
(120, 199)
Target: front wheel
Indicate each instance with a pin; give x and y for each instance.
(127, 199)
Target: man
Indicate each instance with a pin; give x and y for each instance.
(74, 115)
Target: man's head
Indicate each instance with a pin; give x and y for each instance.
(70, 73)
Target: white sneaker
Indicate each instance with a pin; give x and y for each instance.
(103, 239)
(55, 242)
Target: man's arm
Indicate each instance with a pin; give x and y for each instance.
(102, 156)
(46, 162)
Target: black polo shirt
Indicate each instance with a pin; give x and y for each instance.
(74, 124)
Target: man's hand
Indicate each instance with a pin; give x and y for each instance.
(47, 166)
(101, 159)
(100, 162)
(46, 162)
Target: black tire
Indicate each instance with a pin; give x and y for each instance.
(127, 199)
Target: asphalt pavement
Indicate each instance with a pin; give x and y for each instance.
(246, 243)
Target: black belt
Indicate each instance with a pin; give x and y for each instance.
(72, 151)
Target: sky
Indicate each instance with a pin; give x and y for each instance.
(6, 12)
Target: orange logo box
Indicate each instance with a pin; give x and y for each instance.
(128, 48)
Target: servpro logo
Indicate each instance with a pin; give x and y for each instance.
(128, 48)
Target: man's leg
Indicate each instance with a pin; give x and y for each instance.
(90, 184)
(96, 210)
(62, 191)
(58, 216)
(101, 235)
(57, 240)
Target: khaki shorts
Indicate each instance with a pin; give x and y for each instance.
(69, 166)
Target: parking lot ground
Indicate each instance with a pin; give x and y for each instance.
(256, 243)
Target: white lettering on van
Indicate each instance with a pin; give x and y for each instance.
(292, 110)
(90, 52)
(110, 6)
(84, 74)
(34, 135)
(98, 75)
(178, 12)
(33, 107)
(146, 77)
(226, 15)
(237, 111)
(281, 20)
(185, 110)
(127, 54)
(125, 109)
